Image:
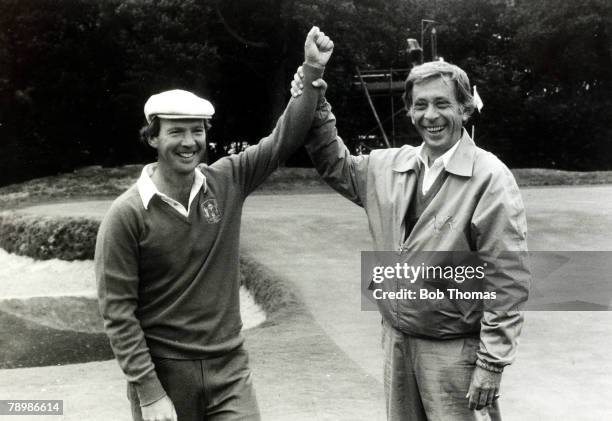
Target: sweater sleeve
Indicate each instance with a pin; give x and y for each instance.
(251, 167)
(116, 267)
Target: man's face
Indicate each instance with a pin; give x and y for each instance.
(180, 145)
(436, 114)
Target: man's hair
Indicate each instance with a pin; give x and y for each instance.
(446, 71)
(152, 129)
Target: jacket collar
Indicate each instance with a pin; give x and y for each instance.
(460, 163)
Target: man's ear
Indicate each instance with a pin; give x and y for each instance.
(411, 116)
(465, 116)
(153, 142)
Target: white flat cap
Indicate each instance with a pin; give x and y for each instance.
(177, 104)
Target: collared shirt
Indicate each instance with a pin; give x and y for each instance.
(175, 281)
(431, 173)
(147, 189)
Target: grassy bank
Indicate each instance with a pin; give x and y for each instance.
(97, 182)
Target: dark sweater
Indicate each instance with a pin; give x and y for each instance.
(168, 286)
(421, 201)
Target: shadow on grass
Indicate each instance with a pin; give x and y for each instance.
(28, 344)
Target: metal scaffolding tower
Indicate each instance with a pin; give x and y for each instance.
(390, 82)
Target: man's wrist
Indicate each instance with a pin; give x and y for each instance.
(155, 401)
(311, 73)
(149, 389)
(314, 64)
(489, 367)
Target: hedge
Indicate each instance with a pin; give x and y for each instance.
(45, 237)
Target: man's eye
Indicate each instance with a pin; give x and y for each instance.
(443, 104)
(420, 106)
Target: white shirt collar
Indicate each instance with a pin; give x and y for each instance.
(444, 158)
(147, 189)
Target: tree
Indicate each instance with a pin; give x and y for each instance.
(566, 51)
(74, 74)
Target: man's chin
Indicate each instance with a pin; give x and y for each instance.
(436, 142)
(186, 168)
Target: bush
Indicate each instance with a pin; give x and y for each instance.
(43, 237)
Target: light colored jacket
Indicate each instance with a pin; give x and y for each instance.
(478, 209)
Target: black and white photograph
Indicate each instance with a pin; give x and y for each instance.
(306, 210)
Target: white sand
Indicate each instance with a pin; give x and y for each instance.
(24, 277)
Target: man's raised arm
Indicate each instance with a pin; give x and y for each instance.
(252, 166)
(344, 172)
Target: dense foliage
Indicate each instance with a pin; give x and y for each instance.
(74, 74)
(48, 238)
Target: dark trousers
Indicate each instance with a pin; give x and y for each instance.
(214, 389)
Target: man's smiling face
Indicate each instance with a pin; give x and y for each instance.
(180, 145)
(436, 114)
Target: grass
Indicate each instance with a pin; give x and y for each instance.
(48, 331)
(97, 182)
(85, 182)
(79, 314)
(30, 344)
(547, 177)
(285, 311)
(268, 290)
(61, 330)
(51, 330)
(297, 365)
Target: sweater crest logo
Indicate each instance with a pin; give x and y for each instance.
(211, 211)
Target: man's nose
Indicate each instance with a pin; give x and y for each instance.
(188, 139)
(431, 112)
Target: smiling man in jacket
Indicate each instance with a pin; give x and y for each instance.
(446, 195)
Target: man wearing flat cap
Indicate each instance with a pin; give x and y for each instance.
(167, 258)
